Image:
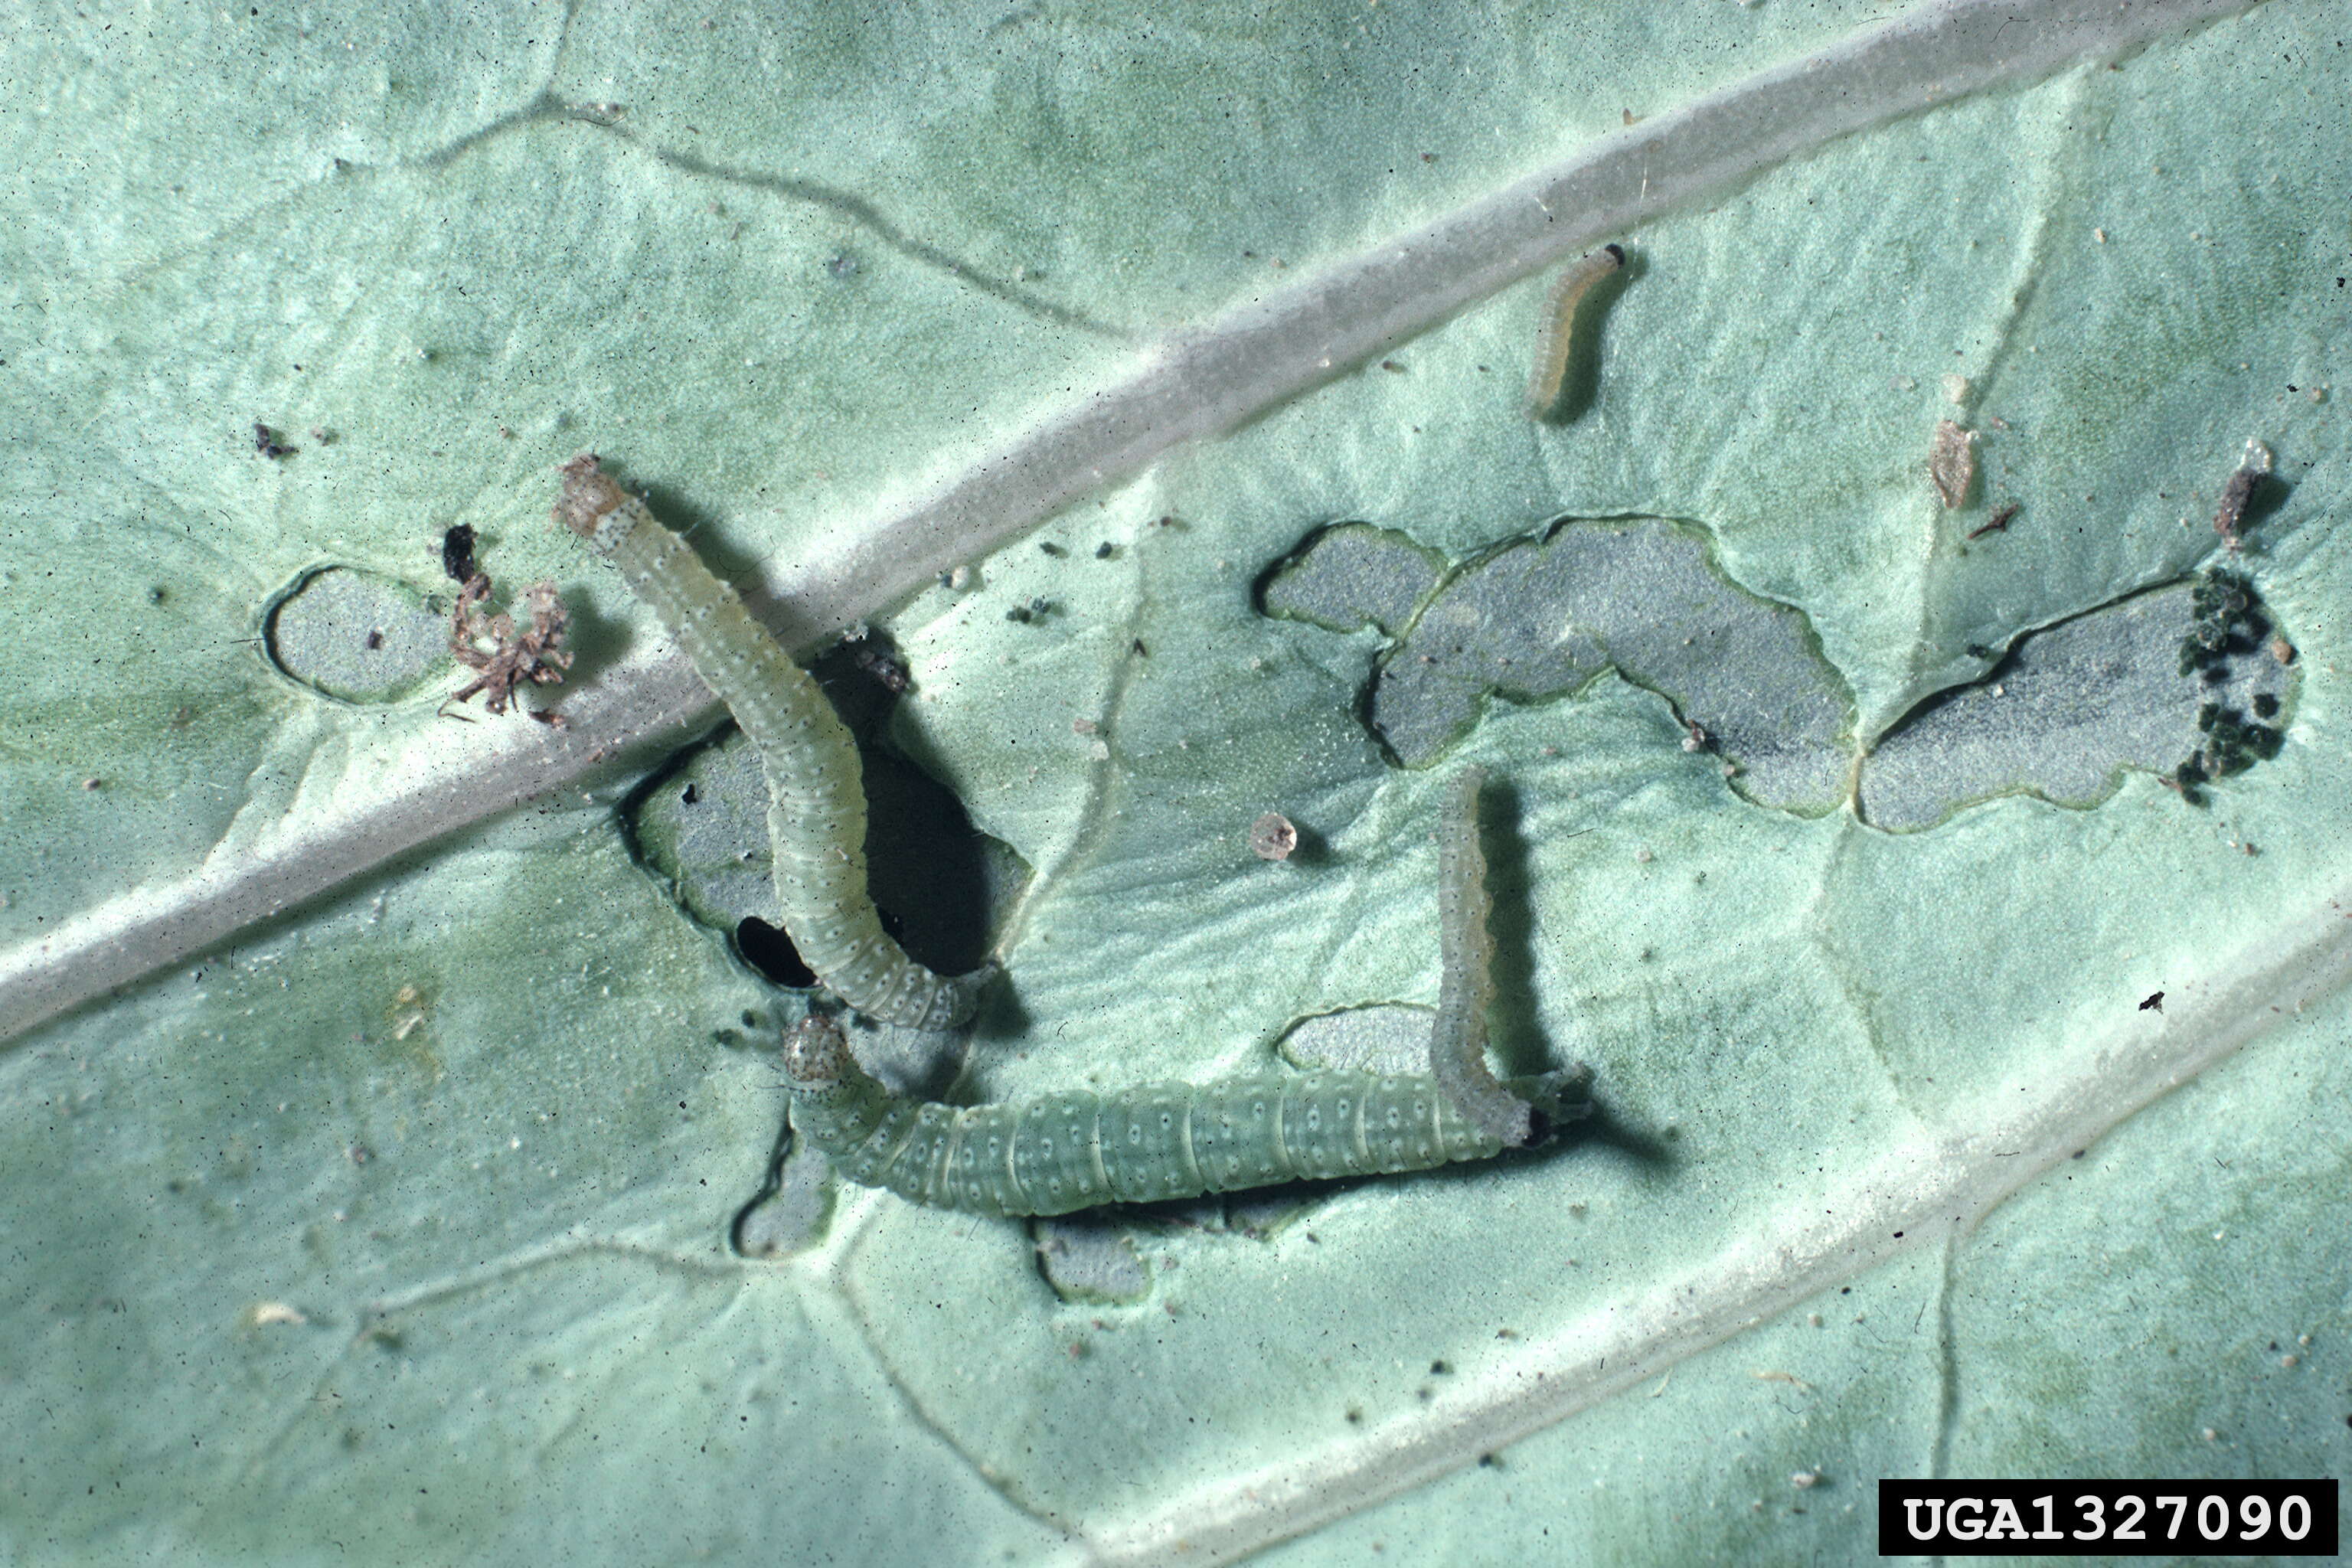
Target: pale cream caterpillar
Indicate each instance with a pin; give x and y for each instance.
(1557, 335)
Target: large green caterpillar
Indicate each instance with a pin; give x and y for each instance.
(816, 813)
(1147, 1144)
(1164, 1141)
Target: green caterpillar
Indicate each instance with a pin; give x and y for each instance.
(1071, 1151)
(816, 815)
(1465, 987)
(1147, 1144)
(1165, 1141)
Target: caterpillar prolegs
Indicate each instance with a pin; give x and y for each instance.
(1168, 1140)
(1147, 1144)
(816, 815)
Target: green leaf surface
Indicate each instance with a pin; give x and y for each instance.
(390, 1174)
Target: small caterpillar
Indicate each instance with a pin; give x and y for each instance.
(816, 815)
(1146, 1144)
(1557, 335)
(1165, 1141)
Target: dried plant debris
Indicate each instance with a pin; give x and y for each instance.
(1952, 463)
(2229, 517)
(1999, 522)
(503, 657)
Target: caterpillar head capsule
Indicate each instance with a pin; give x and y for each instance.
(1555, 1100)
(816, 1053)
(589, 494)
